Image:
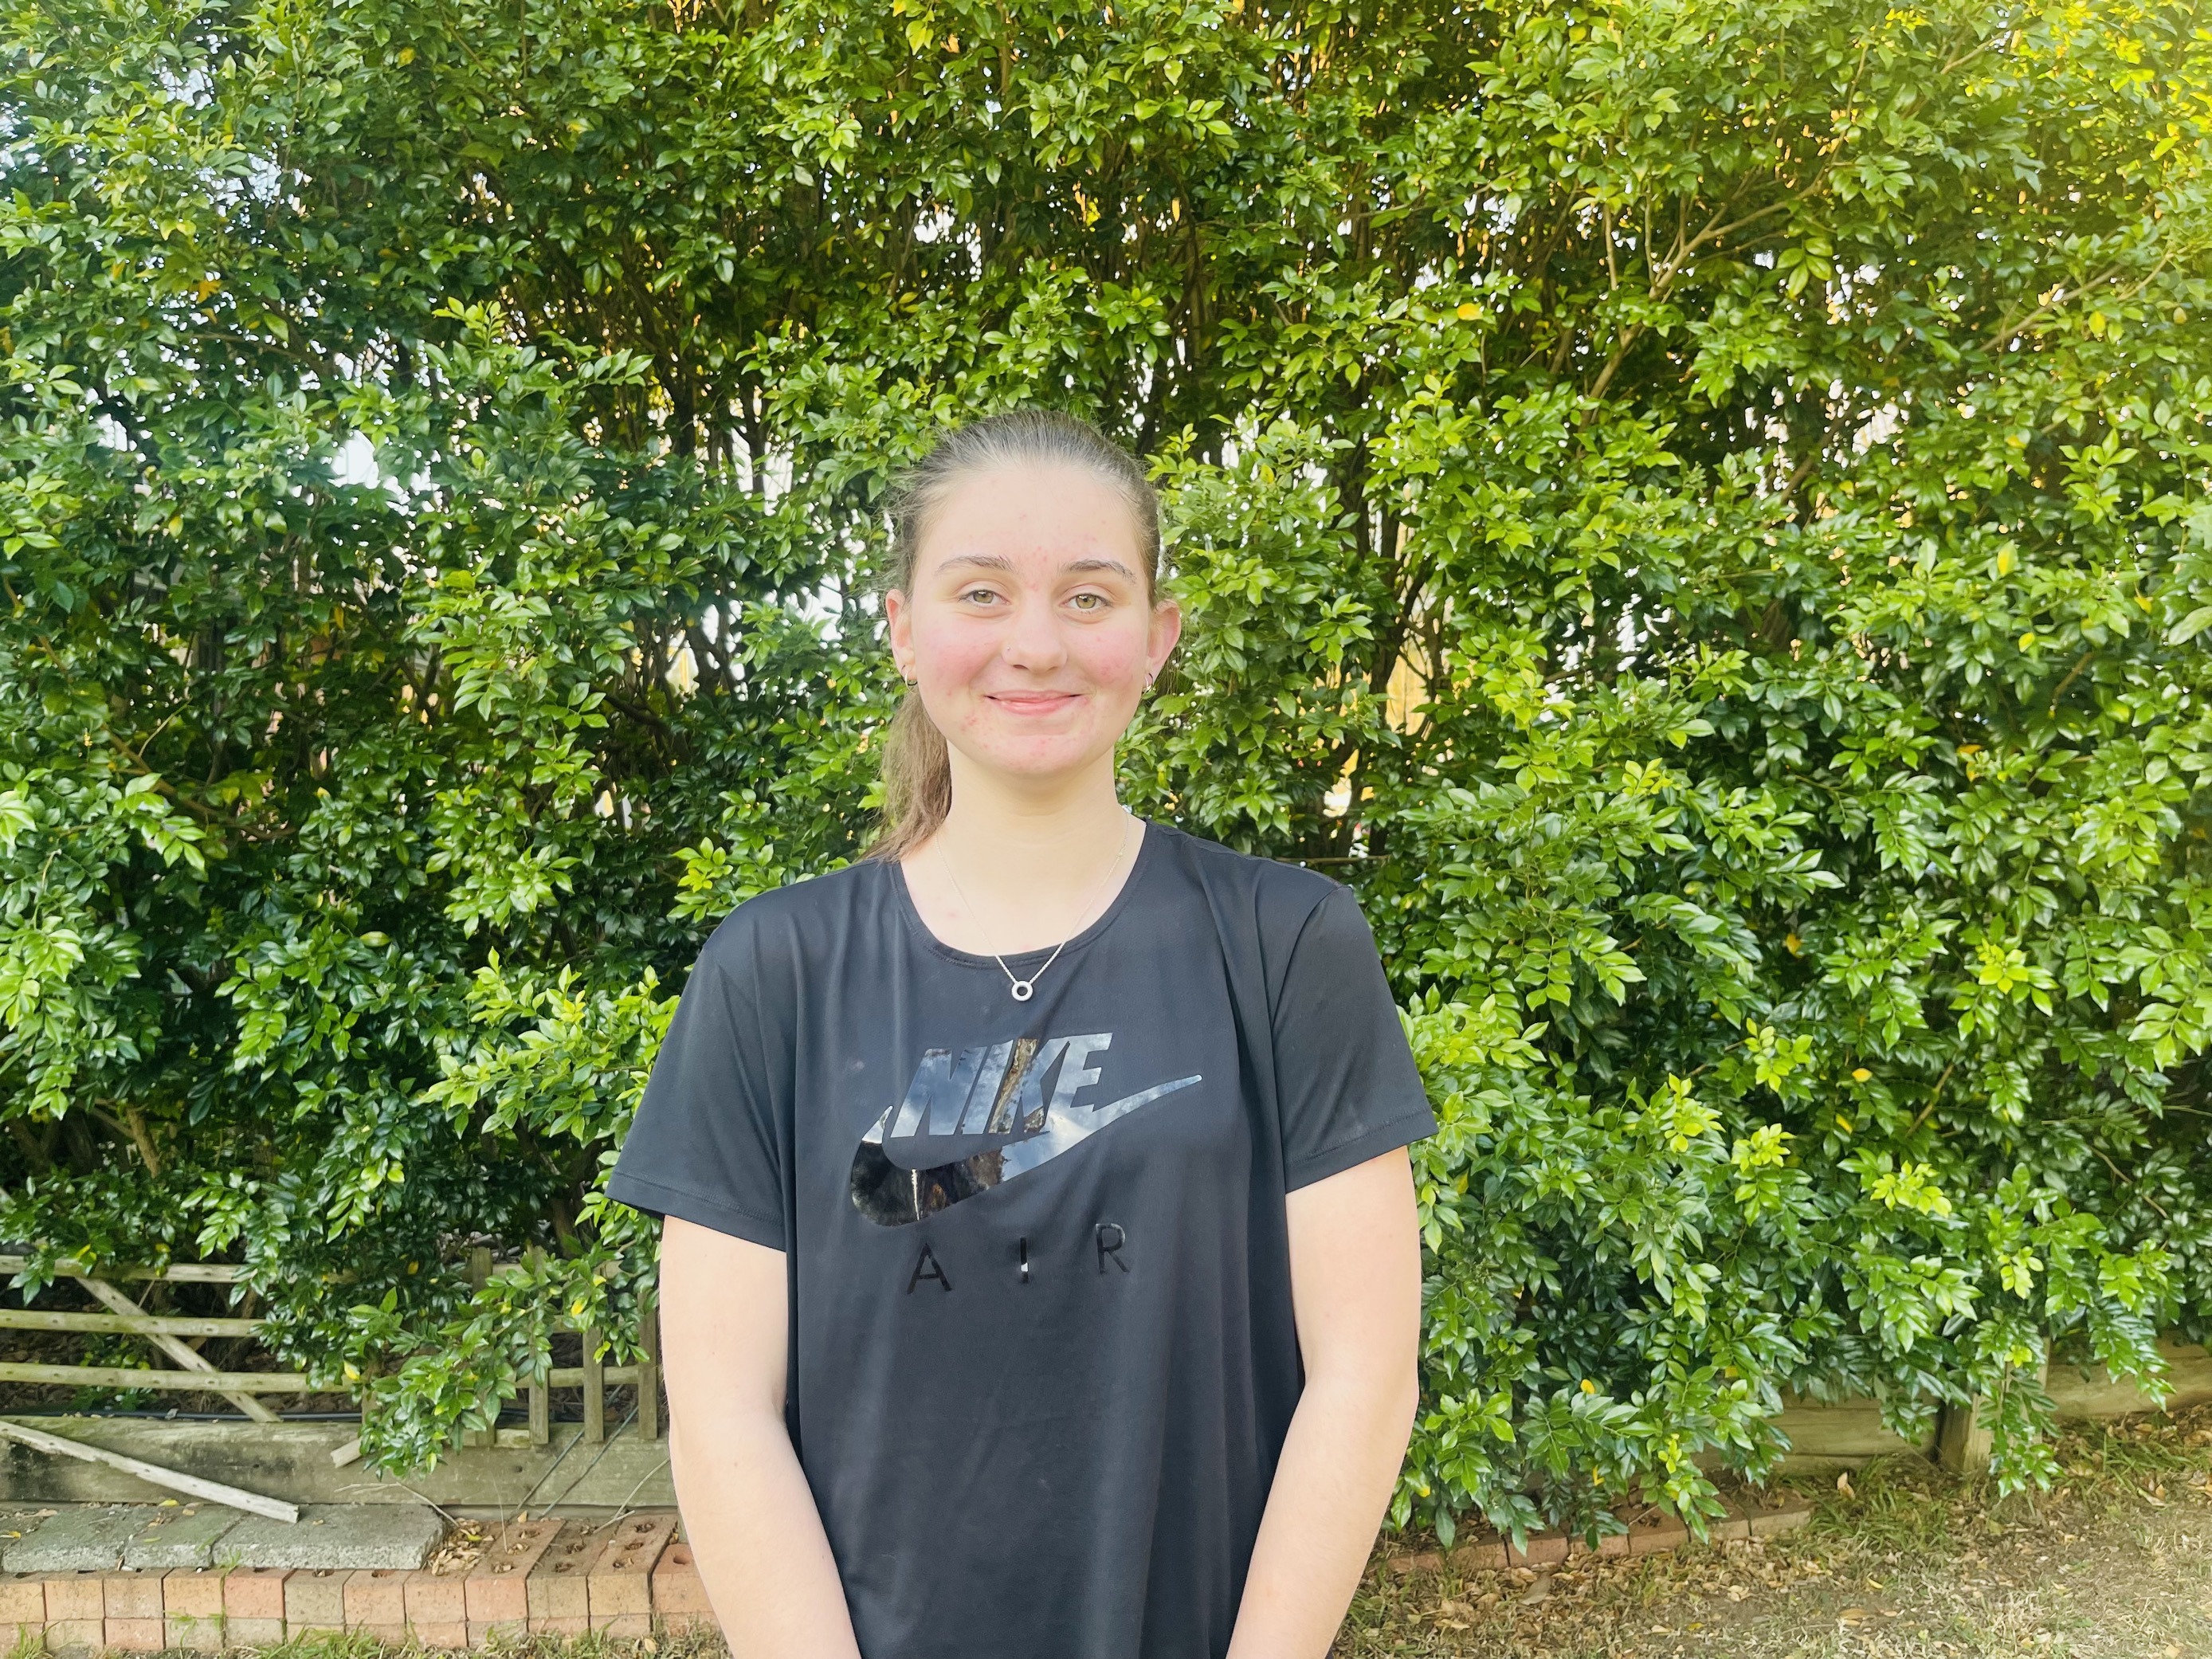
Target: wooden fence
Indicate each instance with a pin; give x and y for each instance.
(1846, 1433)
(173, 1337)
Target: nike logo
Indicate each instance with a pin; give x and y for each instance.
(995, 1095)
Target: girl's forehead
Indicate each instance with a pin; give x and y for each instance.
(1030, 517)
(1015, 487)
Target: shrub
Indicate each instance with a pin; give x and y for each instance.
(1696, 510)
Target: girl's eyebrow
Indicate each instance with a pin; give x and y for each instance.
(999, 561)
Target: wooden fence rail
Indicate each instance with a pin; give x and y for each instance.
(177, 1273)
(194, 1371)
(35, 1319)
(229, 1383)
(171, 1335)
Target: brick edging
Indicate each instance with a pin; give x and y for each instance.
(1653, 1534)
(555, 1577)
(628, 1578)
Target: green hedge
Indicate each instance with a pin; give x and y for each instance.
(1696, 510)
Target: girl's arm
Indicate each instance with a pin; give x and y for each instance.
(1356, 1289)
(747, 1508)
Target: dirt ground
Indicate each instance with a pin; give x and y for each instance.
(1900, 1562)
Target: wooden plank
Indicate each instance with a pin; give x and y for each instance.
(349, 1452)
(2088, 1391)
(186, 1356)
(292, 1460)
(214, 1491)
(177, 1272)
(189, 1272)
(572, 1376)
(133, 1376)
(595, 1391)
(648, 1370)
(38, 1319)
(1845, 1433)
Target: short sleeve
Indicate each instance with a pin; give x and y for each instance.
(704, 1144)
(1345, 1076)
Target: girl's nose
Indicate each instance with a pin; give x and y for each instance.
(1032, 640)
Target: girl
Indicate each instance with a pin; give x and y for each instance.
(1041, 1277)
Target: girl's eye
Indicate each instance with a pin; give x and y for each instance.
(980, 595)
(1088, 601)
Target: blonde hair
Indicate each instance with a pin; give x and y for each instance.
(917, 772)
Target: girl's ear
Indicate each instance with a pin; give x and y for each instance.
(898, 625)
(1166, 630)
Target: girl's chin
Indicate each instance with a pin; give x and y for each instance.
(1034, 758)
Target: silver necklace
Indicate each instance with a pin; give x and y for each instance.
(1023, 989)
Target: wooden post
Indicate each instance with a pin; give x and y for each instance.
(479, 1276)
(1962, 1436)
(541, 1403)
(1962, 1442)
(595, 1390)
(648, 1367)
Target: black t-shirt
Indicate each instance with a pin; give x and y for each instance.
(1042, 1357)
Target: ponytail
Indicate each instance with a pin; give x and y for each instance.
(917, 775)
(916, 767)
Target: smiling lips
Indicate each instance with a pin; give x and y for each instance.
(1032, 703)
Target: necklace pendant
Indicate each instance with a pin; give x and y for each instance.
(1023, 989)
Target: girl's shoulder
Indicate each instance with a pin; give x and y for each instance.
(1279, 896)
(780, 923)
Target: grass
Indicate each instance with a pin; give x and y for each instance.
(682, 1644)
(1899, 1561)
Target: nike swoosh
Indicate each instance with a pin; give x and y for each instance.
(893, 1197)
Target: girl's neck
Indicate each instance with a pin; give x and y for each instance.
(1018, 866)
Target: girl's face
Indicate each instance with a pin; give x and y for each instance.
(1026, 626)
